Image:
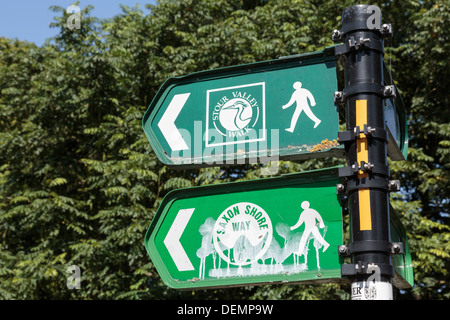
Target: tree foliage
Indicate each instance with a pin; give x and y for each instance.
(79, 183)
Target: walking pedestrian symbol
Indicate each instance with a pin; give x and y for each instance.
(309, 217)
(301, 97)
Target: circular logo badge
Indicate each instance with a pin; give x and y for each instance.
(236, 114)
(242, 233)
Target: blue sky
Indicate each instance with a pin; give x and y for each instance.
(29, 19)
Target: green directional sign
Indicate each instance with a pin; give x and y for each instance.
(404, 275)
(284, 229)
(396, 121)
(277, 109)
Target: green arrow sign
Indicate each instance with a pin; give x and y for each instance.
(404, 275)
(284, 229)
(278, 109)
(396, 121)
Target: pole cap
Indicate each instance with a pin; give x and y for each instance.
(361, 17)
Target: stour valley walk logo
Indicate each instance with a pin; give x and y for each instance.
(236, 114)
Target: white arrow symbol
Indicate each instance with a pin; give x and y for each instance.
(172, 240)
(167, 125)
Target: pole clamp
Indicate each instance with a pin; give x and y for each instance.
(371, 182)
(391, 248)
(351, 135)
(355, 43)
(385, 30)
(368, 167)
(363, 268)
(369, 87)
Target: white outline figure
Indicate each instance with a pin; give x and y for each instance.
(309, 217)
(301, 96)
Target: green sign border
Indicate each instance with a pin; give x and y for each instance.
(313, 176)
(404, 275)
(397, 152)
(323, 56)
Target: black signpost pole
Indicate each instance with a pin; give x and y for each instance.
(366, 177)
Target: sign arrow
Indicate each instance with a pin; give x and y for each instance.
(172, 240)
(167, 122)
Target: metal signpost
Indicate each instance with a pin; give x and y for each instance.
(288, 228)
(283, 229)
(277, 109)
(367, 174)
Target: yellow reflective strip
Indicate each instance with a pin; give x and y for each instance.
(365, 217)
(361, 115)
(362, 154)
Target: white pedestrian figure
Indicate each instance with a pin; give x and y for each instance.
(309, 217)
(301, 96)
